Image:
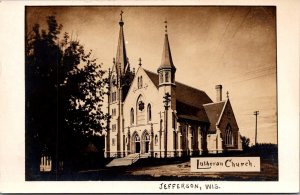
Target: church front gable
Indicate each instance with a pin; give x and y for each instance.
(141, 103)
(140, 84)
(228, 127)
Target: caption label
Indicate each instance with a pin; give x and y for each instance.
(225, 164)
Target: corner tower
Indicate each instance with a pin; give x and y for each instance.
(166, 71)
(117, 91)
(167, 87)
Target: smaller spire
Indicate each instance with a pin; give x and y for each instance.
(140, 61)
(114, 60)
(227, 94)
(166, 61)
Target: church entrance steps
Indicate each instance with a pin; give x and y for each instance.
(119, 162)
(127, 160)
(145, 155)
(131, 156)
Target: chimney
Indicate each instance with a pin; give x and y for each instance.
(219, 93)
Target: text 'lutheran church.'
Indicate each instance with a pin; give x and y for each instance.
(156, 116)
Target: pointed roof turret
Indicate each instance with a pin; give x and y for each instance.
(121, 58)
(166, 60)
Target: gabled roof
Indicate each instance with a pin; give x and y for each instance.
(191, 96)
(189, 112)
(153, 77)
(214, 113)
(189, 100)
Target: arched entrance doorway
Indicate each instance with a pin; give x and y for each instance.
(136, 143)
(145, 142)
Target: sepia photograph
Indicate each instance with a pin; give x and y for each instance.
(149, 96)
(151, 93)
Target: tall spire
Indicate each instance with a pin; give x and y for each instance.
(121, 58)
(166, 60)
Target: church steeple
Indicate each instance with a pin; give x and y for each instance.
(166, 70)
(121, 58)
(166, 60)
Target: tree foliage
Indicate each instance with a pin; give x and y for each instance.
(126, 81)
(245, 143)
(65, 88)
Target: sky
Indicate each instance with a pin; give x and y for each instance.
(232, 46)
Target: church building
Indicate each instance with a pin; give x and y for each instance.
(154, 115)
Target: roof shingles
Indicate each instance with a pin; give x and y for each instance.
(189, 104)
(214, 112)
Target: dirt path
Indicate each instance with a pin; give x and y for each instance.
(182, 171)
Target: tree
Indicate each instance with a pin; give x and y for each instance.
(245, 143)
(65, 88)
(126, 81)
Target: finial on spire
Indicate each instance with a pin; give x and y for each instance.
(166, 26)
(140, 61)
(121, 20)
(121, 15)
(227, 94)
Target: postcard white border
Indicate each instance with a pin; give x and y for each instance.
(12, 157)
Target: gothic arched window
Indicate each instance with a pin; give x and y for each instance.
(146, 137)
(136, 138)
(131, 116)
(113, 80)
(228, 136)
(141, 82)
(156, 140)
(140, 110)
(113, 96)
(173, 120)
(172, 77)
(161, 77)
(149, 113)
(167, 76)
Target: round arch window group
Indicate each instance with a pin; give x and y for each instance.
(137, 115)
